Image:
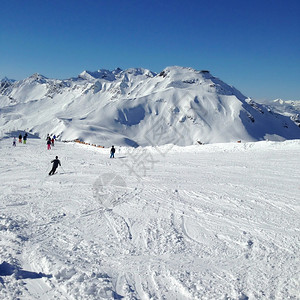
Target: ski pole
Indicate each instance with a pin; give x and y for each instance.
(63, 169)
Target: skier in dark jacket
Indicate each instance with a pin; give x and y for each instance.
(25, 138)
(112, 152)
(20, 138)
(55, 162)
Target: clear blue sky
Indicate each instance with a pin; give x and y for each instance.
(252, 45)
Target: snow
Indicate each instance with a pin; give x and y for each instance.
(290, 108)
(217, 221)
(122, 108)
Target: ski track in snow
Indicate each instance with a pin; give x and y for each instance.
(203, 222)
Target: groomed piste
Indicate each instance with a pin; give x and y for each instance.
(216, 221)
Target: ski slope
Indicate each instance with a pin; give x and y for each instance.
(214, 221)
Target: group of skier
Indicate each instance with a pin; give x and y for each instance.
(20, 139)
(50, 141)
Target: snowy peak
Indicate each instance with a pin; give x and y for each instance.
(5, 79)
(115, 74)
(184, 73)
(293, 105)
(36, 77)
(290, 108)
(5, 83)
(138, 72)
(100, 74)
(198, 82)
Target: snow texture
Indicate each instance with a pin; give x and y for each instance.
(216, 221)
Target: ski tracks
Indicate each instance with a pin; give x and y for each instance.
(174, 234)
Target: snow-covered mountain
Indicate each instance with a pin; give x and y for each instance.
(5, 79)
(290, 108)
(138, 107)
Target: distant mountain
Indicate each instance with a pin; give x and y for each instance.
(5, 79)
(5, 83)
(138, 107)
(290, 108)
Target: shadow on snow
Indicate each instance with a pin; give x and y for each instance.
(16, 133)
(7, 269)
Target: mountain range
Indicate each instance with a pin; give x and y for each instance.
(137, 107)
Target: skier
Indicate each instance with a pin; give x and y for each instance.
(20, 138)
(52, 142)
(14, 142)
(55, 162)
(112, 152)
(49, 144)
(25, 138)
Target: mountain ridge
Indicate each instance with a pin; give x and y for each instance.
(138, 107)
